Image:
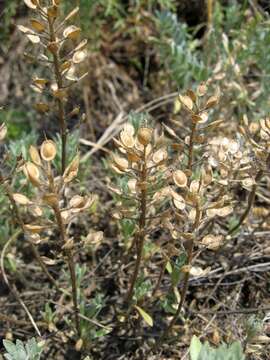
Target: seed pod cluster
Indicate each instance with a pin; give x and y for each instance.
(40, 173)
(57, 39)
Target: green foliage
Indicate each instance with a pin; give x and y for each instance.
(199, 351)
(31, 350)
(178, 50)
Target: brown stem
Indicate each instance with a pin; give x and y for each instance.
(191, 145)
(140, 235)
(60, 100)
(189, 248)
(161, 274)
(71, 265)
(250, 203)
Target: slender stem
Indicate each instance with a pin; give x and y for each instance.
(189, 248)
(60, 100)
(140, 235)
(191, 145)
(161, 274)
(250, 203)
(71, 265)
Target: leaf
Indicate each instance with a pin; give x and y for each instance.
(195, 348)
(147, 318)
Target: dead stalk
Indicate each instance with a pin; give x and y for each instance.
(71, 265)
(189, 248)
(140, 236)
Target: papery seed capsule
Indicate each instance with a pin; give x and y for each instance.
(144, 135)
(79, 56)
(32, 173)
(180, 178)
(21, 199)
(34, 155)
(48, 150)
(186, 101)
(37, 25)
(50, 199)
(35, 229)
(72, 32)
(127, 139)
(32, 4)
(42, 107)
(77, 201)
(202, 89)
(120, 162)
(72, 170)
(52, 12)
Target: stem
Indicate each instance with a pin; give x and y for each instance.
(250, 203)
(140, 235)
(161, 274)
(60, 101)
(71, 265)
(191, 146)
(189, 248)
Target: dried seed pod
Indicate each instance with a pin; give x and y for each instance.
(79, 56)
(48, 150)
(21, 199)
(72, 32)
(159, 156)
(77, 201)
(35, 39)
(192, 95)
(127, 139)
(81, 46)
(37, 25)
(34, 155)
(186, 101)
(144, 135)
(178, 200)
(50, 199)
(36, 210)
(72, 170)
(42, 107)
(202, 89)
(32, 4)
(32, 173)
(211, 102)
(120, 162)
(179, 178)
(212, 242)
(34, 229)
(52, 12)
(132, 185)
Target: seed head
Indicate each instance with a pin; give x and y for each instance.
(48, 150)
(144, 135)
